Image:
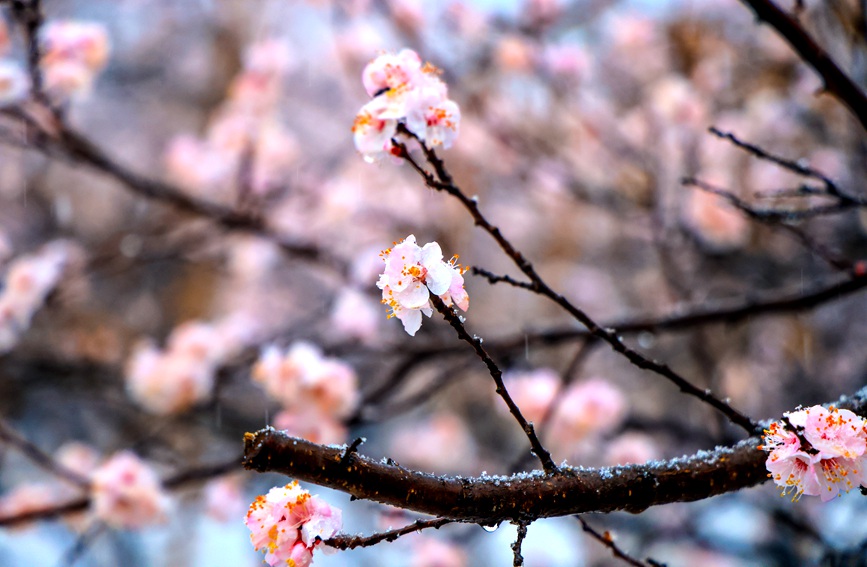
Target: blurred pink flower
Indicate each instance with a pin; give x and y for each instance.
(173, 380)
(302, 377)
(533, 391)
(72, 54)
(127, 493)
(434, 552)
(355, 316)
(224, 498)
(14, 83)
(716, 223)
(29, 281)
(289, 524)
(630, 448)
(593, 407)
(441, 443)
(310, 424)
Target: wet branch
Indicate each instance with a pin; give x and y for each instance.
(497, 374)
(442, 181)
(352, 542)
(836, 81)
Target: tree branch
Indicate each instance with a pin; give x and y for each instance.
(835, 80)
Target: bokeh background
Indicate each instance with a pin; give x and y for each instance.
(579, 122)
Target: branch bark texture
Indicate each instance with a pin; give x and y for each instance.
(522, 497)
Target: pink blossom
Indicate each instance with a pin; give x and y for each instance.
(29, 281)
(289, 524)
(592, 407)
(533, 391)
(835, 432)
(127, 493)
(404, 92)
(440, 443)
(303, 377)
(433, 552)
(412, 274)
(825, 460)
(720, 226)
(311, 424)
(174, 379)
(354, 316)
(630, 448)
(392, 72)
(224, 500)
(72, 54)
(14, 83)
(166, 383)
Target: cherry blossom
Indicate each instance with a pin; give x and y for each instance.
(171, 380)
(14, 82)
(29, 280)
(72, 54)
(412, 273)
(404, 92)
(127, 493)
(289, 524)
(302, 377)
(825, 457)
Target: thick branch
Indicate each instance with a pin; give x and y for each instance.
(522, 497)
(835, 80)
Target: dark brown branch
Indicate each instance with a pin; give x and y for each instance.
(518, 559)
(179, 480)
(39, 457)
(543, 455)
(608, 541)
(522, 497)
(836, 81)
(29, 15)
(78, 149)
(496, 278)
(831, 188)
(352, 542)
(442, 181)
(776, 219)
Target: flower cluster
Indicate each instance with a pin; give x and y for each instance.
(29, 280)
(174, 379)
(316, 391)
(243, 133)
(127, 493)
(289, 524)
(73, 53)
(412, 273)
(404, 92)
(826, 456)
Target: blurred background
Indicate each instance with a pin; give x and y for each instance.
(164, 331)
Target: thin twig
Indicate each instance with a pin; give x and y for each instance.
(442, 181)
(39, 457)
(351, 542)
(495, 278)
(543, 455)
(608, 541)
(831, 188)
(518, 560)
(776, 219)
